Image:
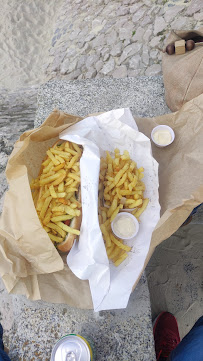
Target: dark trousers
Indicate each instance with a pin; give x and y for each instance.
(191, 346)
(3, 354)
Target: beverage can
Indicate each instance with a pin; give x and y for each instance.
(72, 348)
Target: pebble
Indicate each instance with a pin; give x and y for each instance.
(180, 23)
(129, 51)
(99, 65)
(134, 62)
(154, 69)
(159, 25)
(117, 49)
(170, 14)
(134, 8)
(120, 72)
(108, 67)
(138, 15)
(139, 34)
(145, 55)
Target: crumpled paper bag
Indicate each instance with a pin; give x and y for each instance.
(181, 189)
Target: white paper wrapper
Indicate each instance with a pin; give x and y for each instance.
(111, 286)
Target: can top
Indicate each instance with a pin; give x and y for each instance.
(71, 348)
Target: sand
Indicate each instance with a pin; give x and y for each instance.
(26, 30)
(175, 275)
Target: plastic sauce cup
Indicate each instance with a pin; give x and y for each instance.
(125, 215)
(162, 127)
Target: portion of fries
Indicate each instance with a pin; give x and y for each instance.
(53, 191)
(120, 187)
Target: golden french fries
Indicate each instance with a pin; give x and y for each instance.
(120, 187)
(54, 190)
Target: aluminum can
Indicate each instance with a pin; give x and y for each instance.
(72, 348)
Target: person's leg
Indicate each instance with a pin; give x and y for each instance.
(191, 346)
(3, 354)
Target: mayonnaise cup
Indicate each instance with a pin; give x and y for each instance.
(125, 225)
(162, 135)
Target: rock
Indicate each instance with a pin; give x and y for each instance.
(99, 65)
(70, 52)
(133, 73)
(81, 77)
(89, 37)
(105, 51)
(81, 44)
(120, 22)
(138, 34)
(100, 40)
(198, 17)
(172, 12)
(180, 23)
(135, 7)
(148, 2)
(134, 62)
(99, 76)
(83, 33)
(111, 38)
(126, 32)
(91, 73)
(138, 15)
(97, 25)
(68, 66)
(116, 50)
(108, 67)
(86, 48)
(91, 59)
(106, 57)
(74, 75)
(159, 25)
(155, 41)
(146, 20)
(147, 34)
(81, 61)
(58, 59)
(3, 160)
(108, 25)
(194, 7)
(126, 42)
(120, 72)
(74, 34)
(154, 54)
(154, 69)
(123, 10)
(129, 51)
(145, 55)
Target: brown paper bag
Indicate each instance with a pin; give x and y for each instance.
(30, 264)
(183, 74)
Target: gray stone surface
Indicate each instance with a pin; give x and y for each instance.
(32, 328)
(17, 114)
(144, 95)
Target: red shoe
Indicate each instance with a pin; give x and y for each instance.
(166, 335)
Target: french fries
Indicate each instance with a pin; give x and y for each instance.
(54, 190)
(120, 187)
